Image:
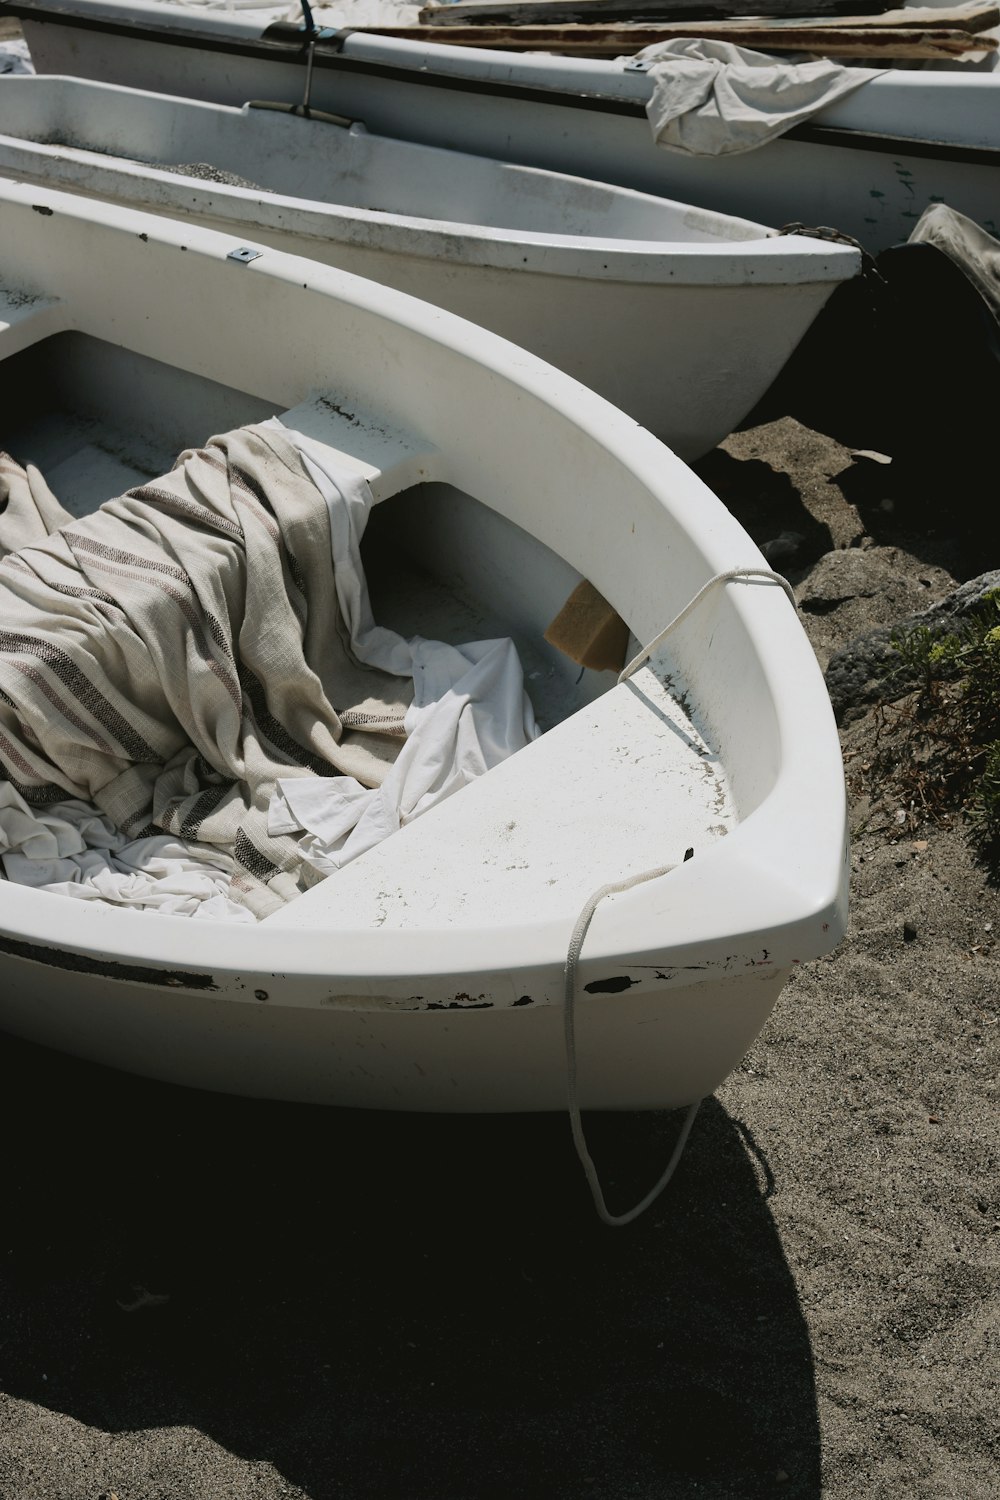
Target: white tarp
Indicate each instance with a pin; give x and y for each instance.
(716, 99)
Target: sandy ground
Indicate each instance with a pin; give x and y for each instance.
(205, 1297)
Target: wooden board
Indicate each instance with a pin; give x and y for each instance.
(872, 41)
(566, 12)
(973, 16)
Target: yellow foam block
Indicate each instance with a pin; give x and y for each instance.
(589, 631)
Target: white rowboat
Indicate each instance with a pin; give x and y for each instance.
(868, 164)
(429, 973)
(680, 316)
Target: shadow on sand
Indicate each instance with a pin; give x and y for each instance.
(398, 1306)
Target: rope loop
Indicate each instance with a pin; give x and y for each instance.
(732, 575)
(582, 926)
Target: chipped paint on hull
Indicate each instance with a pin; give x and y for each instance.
(80, 963)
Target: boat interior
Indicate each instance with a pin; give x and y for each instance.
(264, 147)
(96, 419)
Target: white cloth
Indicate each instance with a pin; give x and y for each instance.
(359, 13)
(967, 243)
(72, 849)
(170, 655)
(716, 99)
(15, 57)
(469, 709)
(335, 16)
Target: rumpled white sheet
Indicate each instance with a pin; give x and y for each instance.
(73, 850)
(15, 57)
(335, 16)
(713, 98)
(469, 712)
(469, 709)
(966, 243)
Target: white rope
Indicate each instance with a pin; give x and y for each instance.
(569, 1027)
(580, 932)
(733, 574)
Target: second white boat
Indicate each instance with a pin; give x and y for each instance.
(680, 316)
(869, 164)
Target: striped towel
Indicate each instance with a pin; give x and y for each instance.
(169, 657)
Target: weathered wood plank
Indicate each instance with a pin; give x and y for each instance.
(981, 15)
(973, 16)
(904, 43)
(567, 12)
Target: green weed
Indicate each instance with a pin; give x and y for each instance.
(950, 756)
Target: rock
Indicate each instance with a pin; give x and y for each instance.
(783, 547)
(963, 601)
(854, 573)
(865, 670)
(851, 591)
(869, 668)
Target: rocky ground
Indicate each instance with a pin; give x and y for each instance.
(205, 1297)
(888, 1049)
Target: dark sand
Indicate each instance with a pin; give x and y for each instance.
(207, 1297)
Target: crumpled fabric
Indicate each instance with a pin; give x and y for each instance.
(967, 244)
(713, 98)
(15, 57)
(468, 713)
(169, 655)
(30, 511)
(334, 16)
(73, 849)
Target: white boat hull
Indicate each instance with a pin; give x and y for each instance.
(681, 317)
(458, 1061)
(429, 972)
(868, 165)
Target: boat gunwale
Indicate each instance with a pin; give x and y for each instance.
(336, 53)
(767, 259)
